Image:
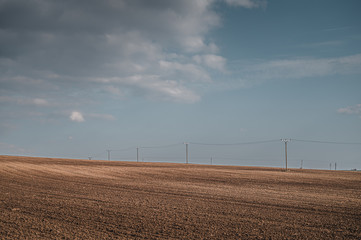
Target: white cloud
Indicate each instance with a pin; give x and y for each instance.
(20, 82)
(40, 102)
(113, 90)
(350, 109)
(188, 71)
(247, 3)
(195, 44)
(301, 68)
(171, 90)
(211, 61)
(248, 73)
(154, 87)
(76, 117)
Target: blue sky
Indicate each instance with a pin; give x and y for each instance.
(80, 78)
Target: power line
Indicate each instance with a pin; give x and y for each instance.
(234, 144)
(327, 142)
(162, 146)
(121, 150)
(97, 154)
(237, 159)
(199, 151)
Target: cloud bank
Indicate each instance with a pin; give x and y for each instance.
(157, 49)
(58, 45)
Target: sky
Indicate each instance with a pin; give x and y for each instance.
(229, 77)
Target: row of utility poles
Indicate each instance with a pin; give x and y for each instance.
(285, 140)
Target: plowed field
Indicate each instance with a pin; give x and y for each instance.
(43, 198)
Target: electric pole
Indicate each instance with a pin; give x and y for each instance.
(335, 166)
(137, 154)
(301, 164)
(186, 152)
(286, 141)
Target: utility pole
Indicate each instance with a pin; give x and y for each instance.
(137, 154)
(301, 164)
(335, 166)
(108, 154)
(286, 141)
(330, 166)
(186, 152)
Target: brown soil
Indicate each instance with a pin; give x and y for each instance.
(43, 198)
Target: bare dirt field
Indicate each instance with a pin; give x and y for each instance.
(43, 198)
